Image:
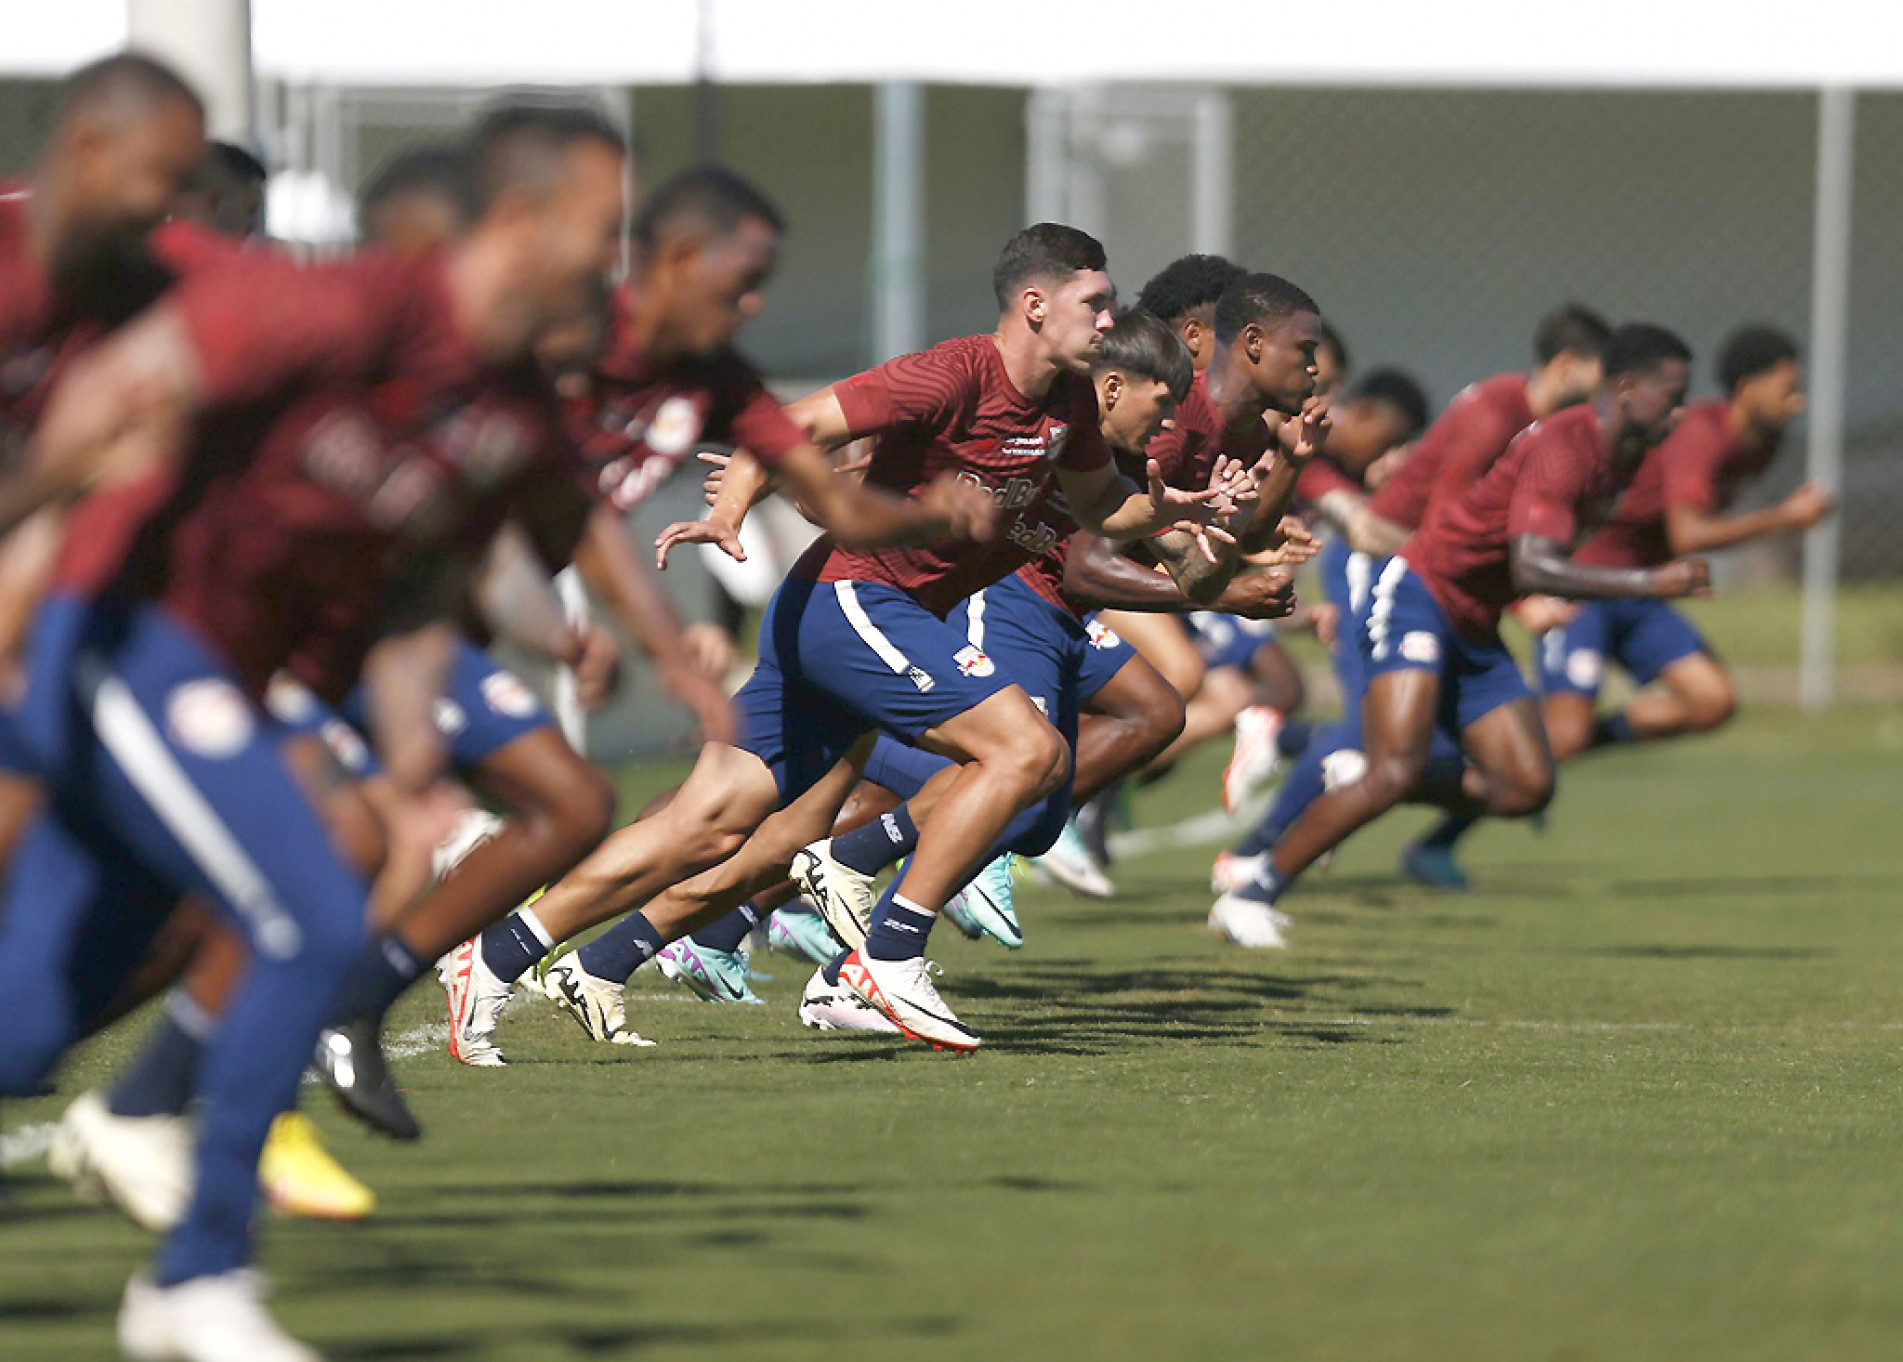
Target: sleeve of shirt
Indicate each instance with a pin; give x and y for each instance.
(921, 389)
(256, 323)
(1318, 478)
(1549, 492)
(1084, 448)
(753, 419)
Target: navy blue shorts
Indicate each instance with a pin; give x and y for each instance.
(1403, 628)
(1347, 580)
(1643, 636)
(1228, 640)
(484, 707)
(841, 659)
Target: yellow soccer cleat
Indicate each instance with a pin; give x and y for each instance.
(302, 1179)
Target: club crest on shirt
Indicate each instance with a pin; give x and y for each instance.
(972, 661)
(675, 427)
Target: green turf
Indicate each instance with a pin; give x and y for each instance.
(1634, 1098)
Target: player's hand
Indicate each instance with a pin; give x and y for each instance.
(1265, 595)
(1807, 505)
(597, 667)
(716, 474)
(716, 532)
(1682, 577)
(1326, 621)
(712, 709)
(709, 647)
(1542, 614)
(1297, 545)
(962, 510)
(1302, 436)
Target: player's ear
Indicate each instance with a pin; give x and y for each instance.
(1192, 336)
(1036, 306)
(1112, 389)
(1253, 340)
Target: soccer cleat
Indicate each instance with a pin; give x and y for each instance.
(1434, 867)
(843, 896)
(904, 992)
(205, 1319)
(300, 1178)
(989, 899)
(802, 934)
(597, 1005)
(1255, 759)
(1071, 865)
(476, 999)
(834, 1007)
(1093, 819)
(710, 975)
(1232, 873)
(1248, 922)
(350, 1060)
(141, 1164)
(957, 911)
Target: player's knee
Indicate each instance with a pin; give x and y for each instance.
(1046, 766)
(1713, 703)
(584, 809)
(1162, 721)
(1389, 776)
(1568, 728)
(1522, 793)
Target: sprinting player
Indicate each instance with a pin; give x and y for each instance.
(226, 193)
(1264, 337)
(1677, 506)
(856, 641)
(1430, 632)
(1467, 439)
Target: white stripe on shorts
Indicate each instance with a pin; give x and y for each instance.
(975, 620)
(863, 626)
(136, 745)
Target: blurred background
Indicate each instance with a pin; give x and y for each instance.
(1437, 176)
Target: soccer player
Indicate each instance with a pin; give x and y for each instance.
(856, 641)
(227, 192)
(1467, 439)
(1677, 505)
(1430, 631)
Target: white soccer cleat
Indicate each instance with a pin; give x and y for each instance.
(1069, 863)
(1248, 923)
(206, 1319)
(1232, 873)
(141, 1164)
(597, 1005)
(476, 999)
(904, 992)
(1256, 758)
(844, 897)
(834, 1007)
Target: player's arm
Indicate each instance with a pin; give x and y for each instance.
(1374, 534)
(1298, 440)
(1694, 529)
(407, 669)
(1096, 574)
(518, 600)
(1540, 566)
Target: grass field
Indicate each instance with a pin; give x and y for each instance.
(1637, 1097)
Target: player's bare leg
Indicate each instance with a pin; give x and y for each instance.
(1692, 695)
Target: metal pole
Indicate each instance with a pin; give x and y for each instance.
(898, 220)
(209, 41)
(1211, 223)
(706, 103)
(1829, 328)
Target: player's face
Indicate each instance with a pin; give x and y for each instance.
(1361, 432)
(1653, 398)
(1135, 410)
(1074, 316)
(577, 232)
(716, 287)
(1282, 358)
(1580, 377)
(413, 223)
(127, 172)
(1775, 398)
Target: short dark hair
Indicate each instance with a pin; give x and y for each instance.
(235, 161)
(1570, 328)
(522, 142)
(1394, 388)
(1331, 340)
(1749, 351)
(1142, 343)
(436, 169)
(711, 195)
(129, 76)
(1264, 298)
(1187, 283)
(1640, 347)
(1045, 250)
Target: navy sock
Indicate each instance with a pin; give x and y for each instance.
(378, 979)
(831, 968)
(621, 950)
(1448, 831)
(1267, 886)
(514, 944)
(729, 931)
(900, 929)
(161, 1081)
(1304, 785)
(1612, 728)
(1295, 736)
(878, 844)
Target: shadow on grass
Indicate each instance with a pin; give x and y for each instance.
(585, 1340)
(1713, 952)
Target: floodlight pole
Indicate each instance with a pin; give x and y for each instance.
(209, 41)
(1829, 342)
(898, 220)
